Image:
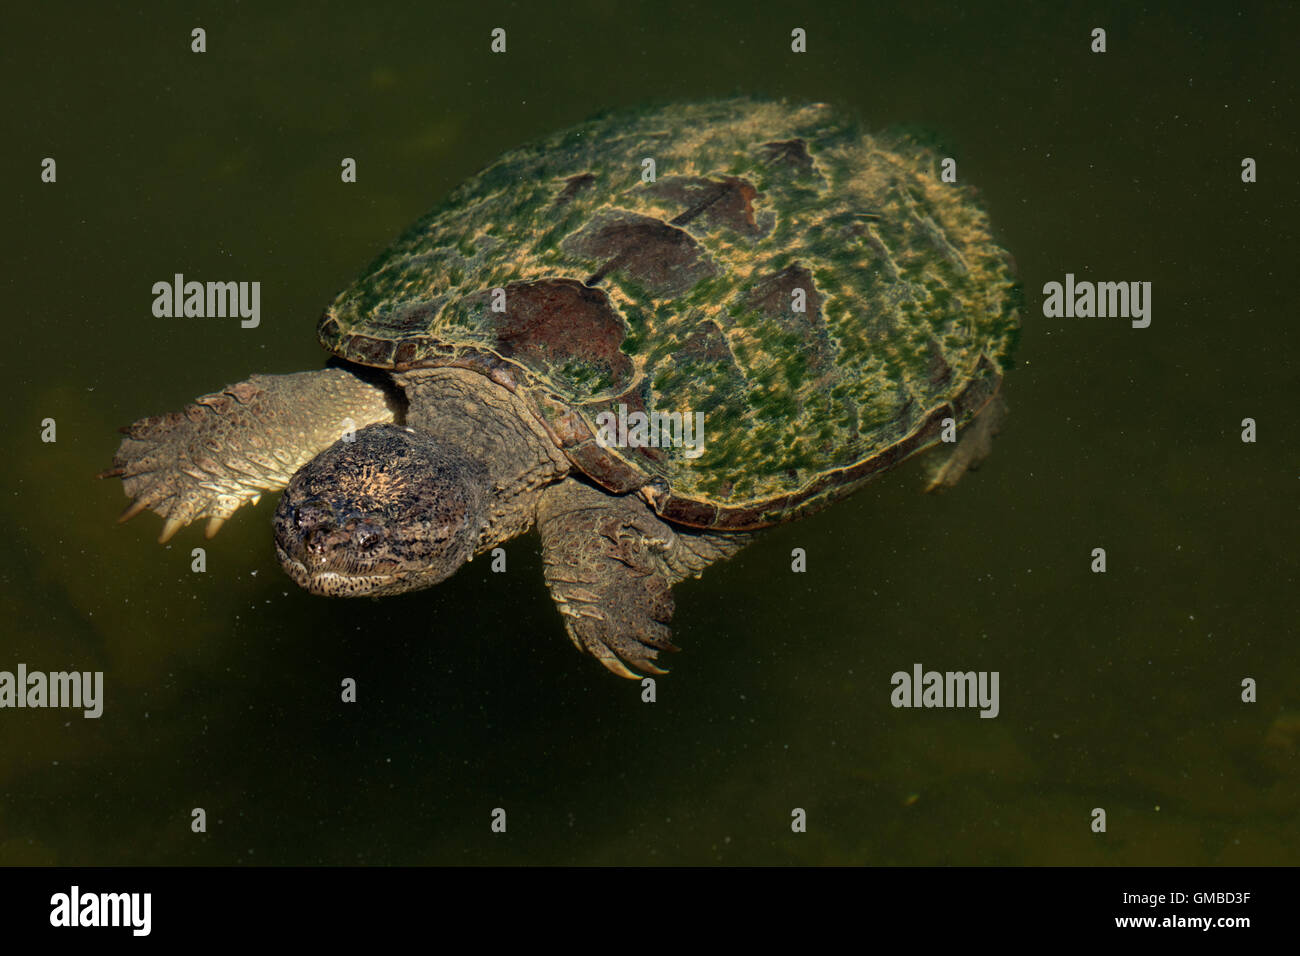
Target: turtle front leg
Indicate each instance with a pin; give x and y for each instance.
(229, 448)
(610, 564)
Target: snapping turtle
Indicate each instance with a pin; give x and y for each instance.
(650, 335)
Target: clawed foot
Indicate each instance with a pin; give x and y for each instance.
(605, 572)
(611, 564)
(178, 466)
(617, 603)
(227, 449)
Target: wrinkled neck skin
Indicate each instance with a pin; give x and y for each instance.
(402, 507)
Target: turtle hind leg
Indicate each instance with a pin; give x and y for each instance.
(610, 564)
(974, 445)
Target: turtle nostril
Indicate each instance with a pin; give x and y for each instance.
(316, 541)
(323, 537)
(309, 516)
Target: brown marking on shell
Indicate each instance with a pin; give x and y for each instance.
(726, 202)
(663, 259)
(369, 350)
(773, 296)
(635, 400)
(688, 511)
(573, 432)
(550, 323)
(706, 343)
(758, 514)
(405, 355)
(605, 467)
(940, 372)
(574, 185)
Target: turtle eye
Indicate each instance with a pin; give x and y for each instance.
(366, 538)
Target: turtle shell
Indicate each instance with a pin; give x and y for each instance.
(815, 291)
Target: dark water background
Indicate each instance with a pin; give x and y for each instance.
(1119, 690)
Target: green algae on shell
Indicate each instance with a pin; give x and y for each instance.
(682, 294)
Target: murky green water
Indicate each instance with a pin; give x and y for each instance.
(1119, 691)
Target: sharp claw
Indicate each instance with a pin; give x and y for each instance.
(112, 473)
(133, 509)
(618, 667)
(170, 528)
(214, 525)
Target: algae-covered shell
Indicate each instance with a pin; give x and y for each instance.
(817, 292)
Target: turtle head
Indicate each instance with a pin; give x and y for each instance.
(385, 511)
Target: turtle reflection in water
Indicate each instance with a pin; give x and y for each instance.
(815, 295)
